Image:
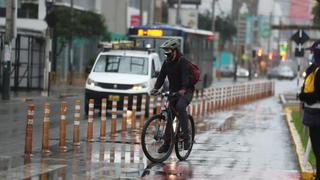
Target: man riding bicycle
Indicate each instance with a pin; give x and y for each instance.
(176, 69)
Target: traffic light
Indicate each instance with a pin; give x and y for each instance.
(270, 56)
(283, 51)
(260, 52)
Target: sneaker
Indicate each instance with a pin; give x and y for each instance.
(164, 148)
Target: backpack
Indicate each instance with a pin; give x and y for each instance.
(195, 73)
(308, 94)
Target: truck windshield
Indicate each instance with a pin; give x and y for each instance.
(122, 64)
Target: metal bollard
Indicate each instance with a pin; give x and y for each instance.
(124, 114)
(134, 112)
(76, 124)
(63, 126)
(151, 106)
(90, 121)
(29, 127)
(45, 129)
(114, 116)
(103, 119)
(143, 111)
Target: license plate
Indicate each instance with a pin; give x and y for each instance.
(114, 97)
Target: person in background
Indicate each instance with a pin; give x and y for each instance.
(310, 96)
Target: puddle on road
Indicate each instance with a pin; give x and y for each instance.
(173, 170)
(227, 124)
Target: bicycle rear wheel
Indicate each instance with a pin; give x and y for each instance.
(181, 152)
(153, 137)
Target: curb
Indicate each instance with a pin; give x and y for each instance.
(305, 168)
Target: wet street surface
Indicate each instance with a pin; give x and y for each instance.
(249, 142)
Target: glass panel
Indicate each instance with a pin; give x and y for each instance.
(122, 64)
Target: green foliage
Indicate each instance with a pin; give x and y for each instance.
(224, 26)
(316, 14)
(205, 21)
(82, 24)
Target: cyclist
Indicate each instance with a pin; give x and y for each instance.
(176, 69)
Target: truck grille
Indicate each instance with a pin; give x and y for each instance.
(115, 86)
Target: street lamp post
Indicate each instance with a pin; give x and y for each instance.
(48, 49)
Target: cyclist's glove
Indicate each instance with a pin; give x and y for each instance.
(154, 92)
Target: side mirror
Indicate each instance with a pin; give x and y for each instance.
(155, 74)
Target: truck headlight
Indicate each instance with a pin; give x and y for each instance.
(91, 82)
(137, 87)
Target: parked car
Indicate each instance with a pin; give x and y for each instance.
(281, 72)
(242, 72)
(226, 71)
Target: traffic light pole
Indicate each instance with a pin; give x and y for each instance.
(9, 35)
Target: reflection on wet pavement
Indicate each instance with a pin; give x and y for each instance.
(247, 143)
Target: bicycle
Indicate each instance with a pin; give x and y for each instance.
(153, 133)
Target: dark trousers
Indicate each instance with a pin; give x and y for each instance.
(315, 141)
(180, 104)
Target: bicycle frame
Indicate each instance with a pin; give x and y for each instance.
(171, 115)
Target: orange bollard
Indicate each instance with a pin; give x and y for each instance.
(76, 124)
(114, 117)
(151, 106)
(158, 105)
(103, 119)
(90, 121)
(217, 99)
(29, 127)
(212, 100)
(124, 114)
(45, 129)
(134, 112)
(209, 99)
(203, 99)
(63, 126)
(194, 103)
(143, 111)
(198, 103)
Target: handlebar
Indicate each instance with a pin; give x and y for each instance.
(166, 94)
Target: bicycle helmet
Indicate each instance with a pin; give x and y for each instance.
(171, 44)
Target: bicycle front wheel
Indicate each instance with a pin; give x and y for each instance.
(182, 151)
(153, 137)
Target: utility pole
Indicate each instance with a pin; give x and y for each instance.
(151, 12)
(213, 31)
(48, 50)
(178, 13)
(141, 12)
(9, 35)
(70, 54)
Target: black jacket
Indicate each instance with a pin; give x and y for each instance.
(178, 73)
(311, 98)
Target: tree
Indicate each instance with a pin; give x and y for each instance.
(83, 24)
(224, 26)
(316, 14)
(226, 29)
(205, 21)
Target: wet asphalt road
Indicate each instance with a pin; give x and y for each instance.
(249, 142)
